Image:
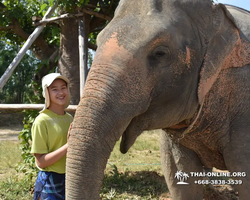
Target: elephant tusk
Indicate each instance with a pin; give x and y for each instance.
(188, 129)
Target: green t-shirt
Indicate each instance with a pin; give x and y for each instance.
(49, 133)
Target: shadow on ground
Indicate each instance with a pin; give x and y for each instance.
(148, 183)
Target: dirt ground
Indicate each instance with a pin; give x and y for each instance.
(11, 124)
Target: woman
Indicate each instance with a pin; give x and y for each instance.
(49, 138)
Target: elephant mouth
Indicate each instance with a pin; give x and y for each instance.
(176, 131)
(181, 125)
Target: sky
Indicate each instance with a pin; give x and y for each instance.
(239, 3)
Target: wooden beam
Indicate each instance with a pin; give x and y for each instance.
(54, 19)
(69, 15)
(71, 108)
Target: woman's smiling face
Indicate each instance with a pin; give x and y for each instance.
(58, 92)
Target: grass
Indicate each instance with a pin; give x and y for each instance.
(16, 187)
(135, 175)
(133, 185)
(13, 185)
(9, 156)
(143, 155)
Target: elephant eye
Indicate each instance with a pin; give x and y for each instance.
(161, 52)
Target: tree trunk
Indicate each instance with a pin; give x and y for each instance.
(69, 57)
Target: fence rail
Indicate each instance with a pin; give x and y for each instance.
(71, 108)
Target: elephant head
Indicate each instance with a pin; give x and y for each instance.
(155, 63)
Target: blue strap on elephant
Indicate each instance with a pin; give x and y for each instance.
(49, 185)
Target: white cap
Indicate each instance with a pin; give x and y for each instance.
(46, 82)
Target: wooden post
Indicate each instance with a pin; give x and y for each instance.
(82, 54)
(5, 77)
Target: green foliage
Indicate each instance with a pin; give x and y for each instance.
(18, 88)
(16, 9)
(28, 165)
(23, 11)
(43, 6)
(90, 58)
(70, 5)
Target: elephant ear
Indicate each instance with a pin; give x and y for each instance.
(225, 49)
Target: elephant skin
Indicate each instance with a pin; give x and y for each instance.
(180, 66)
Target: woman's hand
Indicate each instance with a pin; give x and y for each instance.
(70, 127)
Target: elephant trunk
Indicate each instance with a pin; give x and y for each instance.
(108, 105)
(101, 118)
(91, 142)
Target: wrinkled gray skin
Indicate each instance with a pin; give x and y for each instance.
(158, 62)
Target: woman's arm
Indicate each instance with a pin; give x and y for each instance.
(45, 160)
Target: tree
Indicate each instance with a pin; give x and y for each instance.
(57, 46)
(18, 89)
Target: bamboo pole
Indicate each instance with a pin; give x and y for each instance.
(19, 107)
(5, 77)
(82, 54)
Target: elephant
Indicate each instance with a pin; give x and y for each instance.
(182, 66)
